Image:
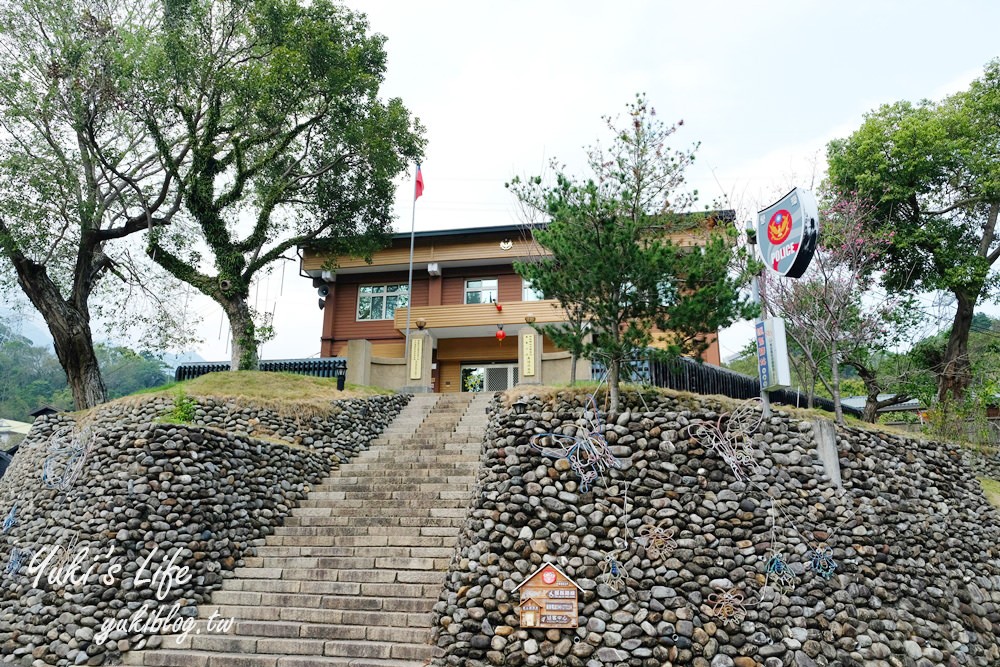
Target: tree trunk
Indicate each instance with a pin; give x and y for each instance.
(244, 335)
(69, 324)
(572, 368)
(956, 373)
(838, 410)
(614, 372)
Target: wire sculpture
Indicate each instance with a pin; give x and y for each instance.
(588, 453)
(657, 540)
(779, 570)
(67, 457)
(612, 571)
(11, 519)
(16, 561)
(821, 560)
(727, 606)
(730, 438)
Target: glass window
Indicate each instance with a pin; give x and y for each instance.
(529, 293)
(481, 290)
(379, 302)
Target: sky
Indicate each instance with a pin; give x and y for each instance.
(502, 88)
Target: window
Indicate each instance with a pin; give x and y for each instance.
(481, 290)
(379, 302)
(529, 293)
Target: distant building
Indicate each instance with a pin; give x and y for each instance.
(465, 290)
(12, 432)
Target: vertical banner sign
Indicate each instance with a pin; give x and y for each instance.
(787, 232)
(763, 368)
(416, 357)
(528, 350)
(772, 354)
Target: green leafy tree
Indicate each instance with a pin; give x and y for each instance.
(75, 177)
(266, 114)
(932, 173)
(616, 255)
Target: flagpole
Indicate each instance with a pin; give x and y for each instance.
(409, 285)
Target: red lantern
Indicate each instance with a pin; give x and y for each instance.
(500, 333)
(499, 308)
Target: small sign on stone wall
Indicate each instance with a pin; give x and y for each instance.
(549, 599)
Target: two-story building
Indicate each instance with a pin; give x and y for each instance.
(465, 293)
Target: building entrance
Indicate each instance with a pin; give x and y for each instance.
(488, 376)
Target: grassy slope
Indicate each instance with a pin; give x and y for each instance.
(992, 489)
(285, 393)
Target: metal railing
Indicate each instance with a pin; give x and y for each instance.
(326, 367)
(685, 374)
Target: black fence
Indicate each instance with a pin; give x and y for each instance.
(326, 367)
(684, 374)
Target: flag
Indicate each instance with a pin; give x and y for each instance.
(419, 189)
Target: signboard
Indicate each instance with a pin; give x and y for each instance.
(787, 232)
(416, 357)
(528, 350)
(772, 354)
(549, 599)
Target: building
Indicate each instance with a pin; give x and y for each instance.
(471, 321)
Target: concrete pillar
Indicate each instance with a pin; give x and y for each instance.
(826, 448)
(418, 363)
(529, 356)
(359, 362)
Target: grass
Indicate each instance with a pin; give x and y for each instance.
(284, 393)
(991, 488)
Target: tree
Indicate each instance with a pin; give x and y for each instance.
(74, 176)
(832, 314)
(932, 173)
(614, 256)
(266, 114)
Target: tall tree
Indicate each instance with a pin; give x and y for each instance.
(268, 118)
(932, 172)
(73, 173)
(616, 255)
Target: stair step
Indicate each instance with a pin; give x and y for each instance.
(328, 616)
(208, 659)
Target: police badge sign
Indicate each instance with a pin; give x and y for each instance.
(787, 232)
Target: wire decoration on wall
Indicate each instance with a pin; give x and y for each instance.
(11, 520)
(612, 570)
(728, 607)
(67, 457)
(657, 540)
(588, 452)
(821, 560)
(17, 560)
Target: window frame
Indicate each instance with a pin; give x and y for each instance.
(527, 288)
(382, 292)
(467, 290)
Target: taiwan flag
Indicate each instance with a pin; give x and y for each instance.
(419, 188)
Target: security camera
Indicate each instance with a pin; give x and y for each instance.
(322, 303)
(324, 290)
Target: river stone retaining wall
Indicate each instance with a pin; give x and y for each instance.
(985, 463)
(210, 492)
(916, 581)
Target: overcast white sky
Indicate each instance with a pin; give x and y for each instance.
(503, 87)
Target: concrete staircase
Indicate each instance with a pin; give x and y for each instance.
(350, 579)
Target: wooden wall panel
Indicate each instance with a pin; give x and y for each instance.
(346, 325)
(449, 376)
(477, 349)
